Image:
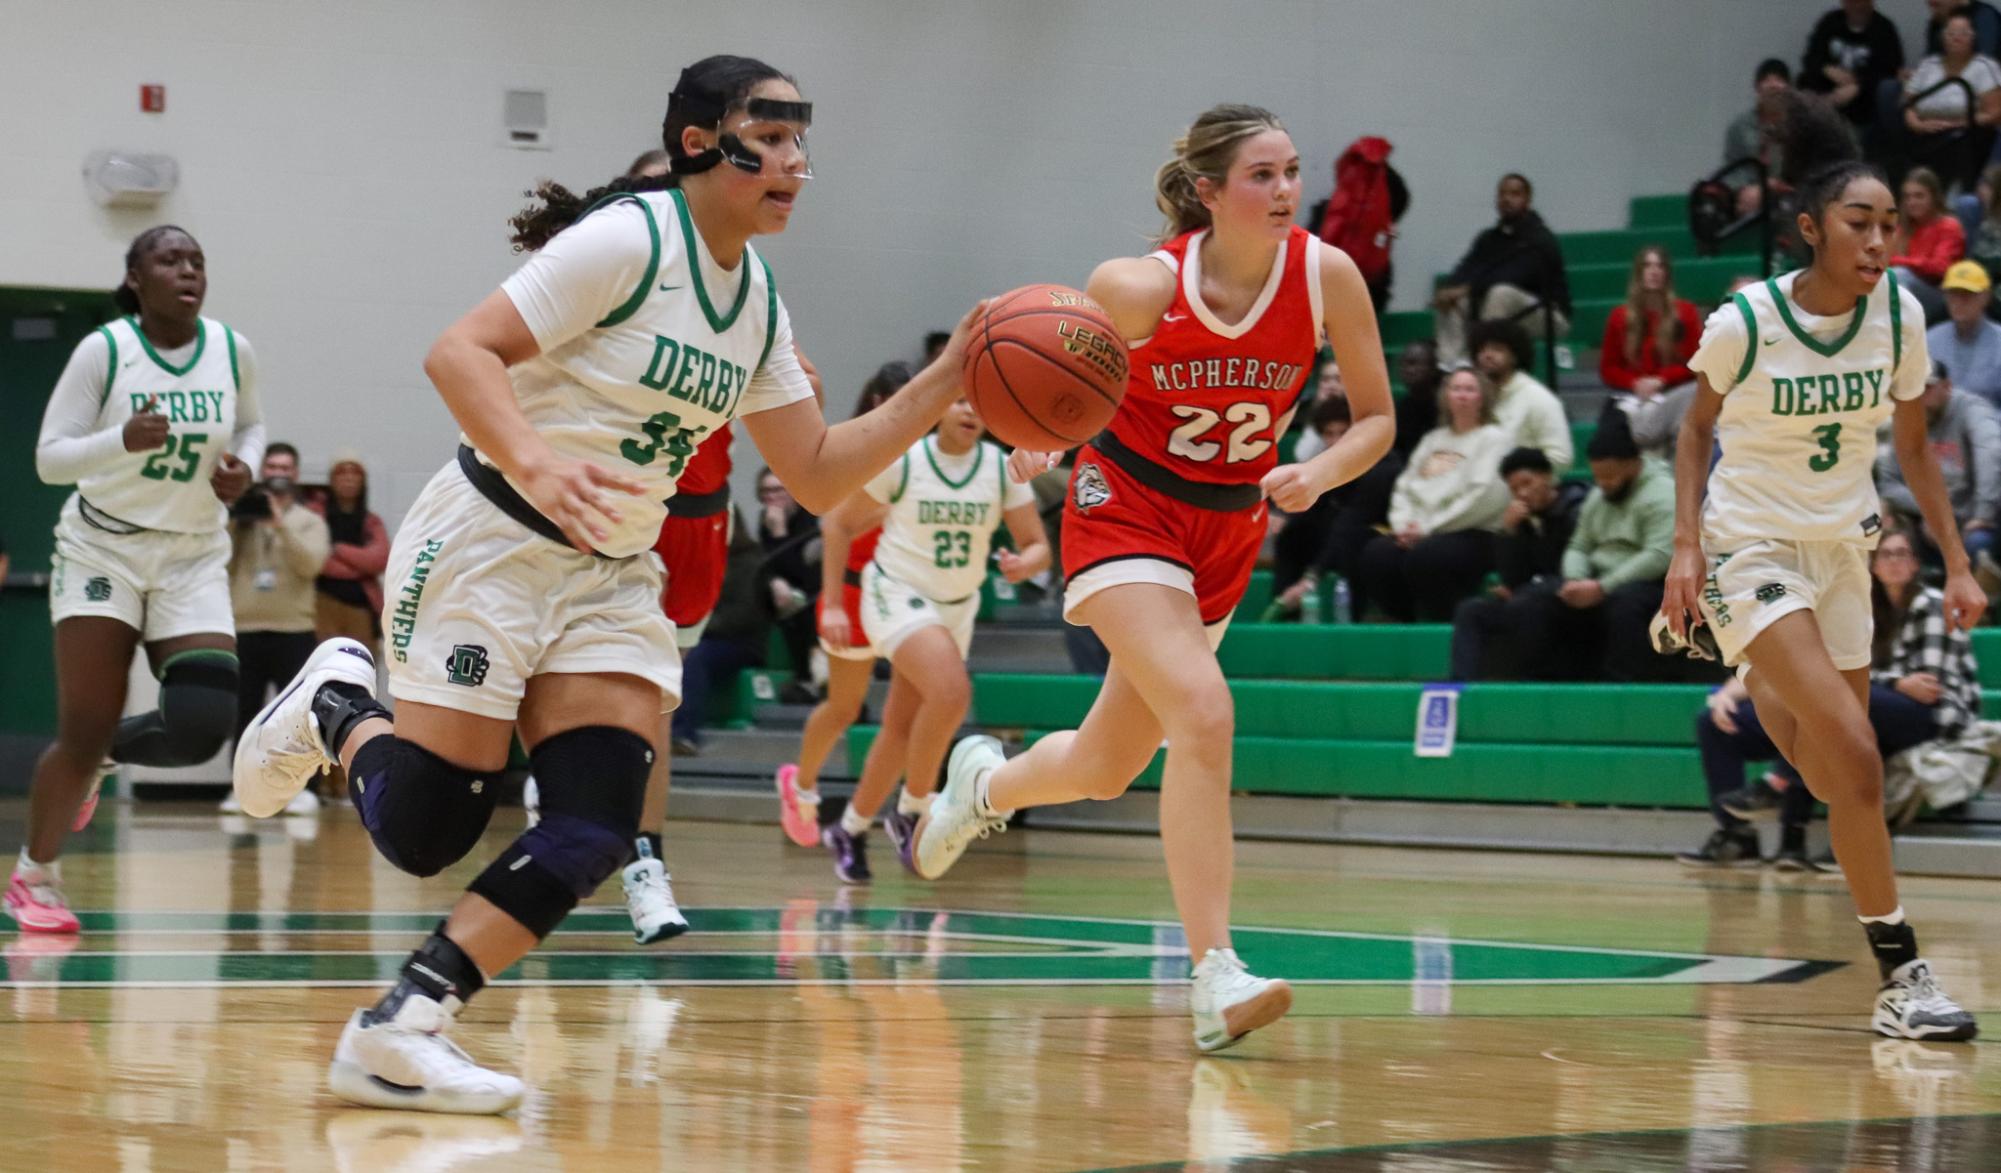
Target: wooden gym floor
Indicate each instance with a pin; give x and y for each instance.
(1457, 1011)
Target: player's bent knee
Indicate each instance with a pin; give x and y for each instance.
(593, 785)
(424, 812)
(198, 704)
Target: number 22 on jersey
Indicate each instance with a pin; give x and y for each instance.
(1250, 418)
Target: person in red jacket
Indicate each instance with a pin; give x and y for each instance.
(1928, 242)
(1649, 340)
(347, 596)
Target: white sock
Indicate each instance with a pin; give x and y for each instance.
(1894, 917)
(855, 823)
(909, 804)
(23, 866)
(981, 806)
(806, 800)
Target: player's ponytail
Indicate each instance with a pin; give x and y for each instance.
(1820, 152)
(125, 297)
(1204, 152)
(723, 79)
(558, 207)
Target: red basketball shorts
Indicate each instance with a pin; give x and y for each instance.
(695, 551)
(1117, 531)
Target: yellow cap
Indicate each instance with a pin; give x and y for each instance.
(1969, 276)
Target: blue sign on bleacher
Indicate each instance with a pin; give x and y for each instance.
(1437, 720)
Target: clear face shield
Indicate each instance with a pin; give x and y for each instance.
(770, 141)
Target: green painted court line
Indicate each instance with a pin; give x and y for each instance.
(843, 947)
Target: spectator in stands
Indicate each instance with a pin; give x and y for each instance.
(277, 547)
(1754, 133)
(1657, 431)
(1443, 509)
(1328, 538)
(1513, 272)
(1923, 685)
(1979, 212)
(1933, 117)
(1535, 531)
(1326, 385)
(1851, 52)
(1648, 342)
(739, 630)
(1970, 343)
(1966, 437)
(1986, 25)
(349, 589)
(1592, 624)
(1528, 411)
(1929, 241)
(1417, 411)
(790, 537)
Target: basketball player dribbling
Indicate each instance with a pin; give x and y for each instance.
(1166, 513)
(524, 593)
(1795, 375)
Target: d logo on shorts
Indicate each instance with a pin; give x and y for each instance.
(1091, 489)
(97, 589)
(466, 665)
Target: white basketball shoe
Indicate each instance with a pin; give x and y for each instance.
(1229, 1003)
(407, 1062)
(954, 820)
(280, 749)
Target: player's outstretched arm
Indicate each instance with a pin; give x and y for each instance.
(822, 465)
(1964, 600)
(1691, 478)
(1358, 348)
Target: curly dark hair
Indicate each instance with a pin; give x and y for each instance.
(557, 207)
(888, 379)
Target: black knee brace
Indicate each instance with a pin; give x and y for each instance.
(197, 713)
(593, 783)
(423, 812)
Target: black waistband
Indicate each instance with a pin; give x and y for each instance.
(695, 505)
(494, 488)
(99, 519)
(1217, 498)
(852, 577)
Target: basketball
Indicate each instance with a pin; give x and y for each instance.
(1046, 368)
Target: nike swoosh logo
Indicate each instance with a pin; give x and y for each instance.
(669, 288)
(1772, 341)
(1174, 317)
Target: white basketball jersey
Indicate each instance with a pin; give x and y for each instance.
(167, 488)
(665, 369)
(1803, 399)
(943, 511)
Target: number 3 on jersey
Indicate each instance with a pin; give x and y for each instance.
(661, 430)
(1250, 418)
(1829, 436)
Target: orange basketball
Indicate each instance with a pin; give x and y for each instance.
(1046, 368)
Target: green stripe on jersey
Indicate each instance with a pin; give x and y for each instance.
(979, 454)
(771, 310)
(1823, 349)
(1896, 324)
(630, 305)
(110, 372)
(719, 325)
(201, 344)
(1750, 335)
(235, 375)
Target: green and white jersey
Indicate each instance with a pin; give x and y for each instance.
(207, 391)
(648, 345)
(943, 511)
(1804, 396)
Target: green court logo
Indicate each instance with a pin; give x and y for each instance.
(466, 665)
(97, 589)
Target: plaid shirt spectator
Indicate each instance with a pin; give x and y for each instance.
(1926, 644)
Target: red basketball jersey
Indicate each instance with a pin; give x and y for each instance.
(709, 468)
(1204, 399)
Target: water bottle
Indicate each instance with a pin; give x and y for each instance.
(1343, 602)
(1309, 606)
